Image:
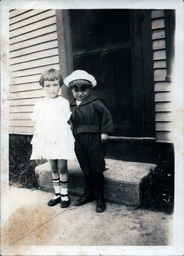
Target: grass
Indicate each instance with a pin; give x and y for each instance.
(157, 188)
(21, 168)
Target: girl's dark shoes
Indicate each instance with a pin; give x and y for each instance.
(84, 199)
(53, 202)
(65, 204)
(100, 206)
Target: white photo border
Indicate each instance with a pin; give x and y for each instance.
(178, 98)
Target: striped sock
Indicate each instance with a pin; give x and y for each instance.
(64, 190)
(56, 184)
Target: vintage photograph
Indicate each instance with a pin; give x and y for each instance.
(92, 128)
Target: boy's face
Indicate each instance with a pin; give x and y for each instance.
(80, 93)
(51, 88)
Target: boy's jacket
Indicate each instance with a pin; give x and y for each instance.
(92, 115)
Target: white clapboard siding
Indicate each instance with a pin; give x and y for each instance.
(163, 96)
(33, 49)
(160, 75)
(158, 23)
(24, 87)
(23, 102)
(164, 136)
(164, 127)
(157, 14)
(158, 34)
(24, 80)
(34, 71)
(162, 88)
(33, 27)
(27, 94)
(163, 117)
(21, 122)
(34, 41)
(159, 55)
(159, 64)
(20, 116)
(162, 107)
(34, 56)
(21, 109)
(32, 19)
(34, 34)
(26, 130)
(16, 14)
(159, 44)
(34, 63)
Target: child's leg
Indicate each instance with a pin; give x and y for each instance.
(88, 193)
(99, 184)
(97, 164)
(64, 180)
(55, 178)
(81, 150)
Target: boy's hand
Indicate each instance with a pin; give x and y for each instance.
(104, 137)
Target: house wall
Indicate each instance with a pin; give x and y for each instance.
(162, 80)
(34, 48)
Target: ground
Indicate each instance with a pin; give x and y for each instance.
(32, 223)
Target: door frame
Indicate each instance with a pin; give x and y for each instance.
(141, 22)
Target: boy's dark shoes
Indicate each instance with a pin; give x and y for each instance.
(65, 204)
(53, 202)
(100, 206)
(84, 199)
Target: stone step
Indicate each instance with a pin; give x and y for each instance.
(122, 180)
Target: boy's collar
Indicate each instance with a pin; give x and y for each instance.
(90, 98)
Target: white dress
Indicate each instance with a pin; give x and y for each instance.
(53, 138)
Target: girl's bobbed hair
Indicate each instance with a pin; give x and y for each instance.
(51, 75)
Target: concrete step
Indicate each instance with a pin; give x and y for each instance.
(122, 180)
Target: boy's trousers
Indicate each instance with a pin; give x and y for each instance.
(90, 152)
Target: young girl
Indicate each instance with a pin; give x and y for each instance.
(91, 123)
(53, 139)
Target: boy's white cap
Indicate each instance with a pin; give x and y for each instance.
(78, 75)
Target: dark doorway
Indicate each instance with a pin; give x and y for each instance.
(107, 44)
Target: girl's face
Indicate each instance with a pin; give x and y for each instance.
(81, 92)
(51, 88)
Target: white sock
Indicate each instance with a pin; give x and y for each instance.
(64, 191)
(56, 184)
(56, 197)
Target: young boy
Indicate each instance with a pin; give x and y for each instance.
(91, 123)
